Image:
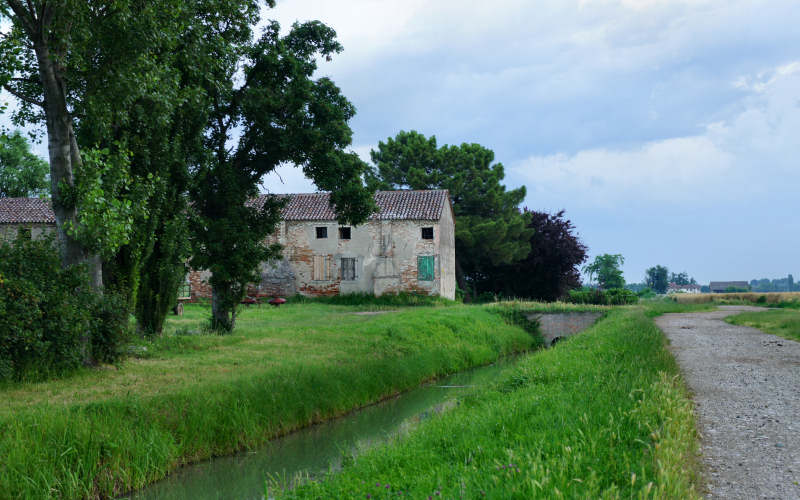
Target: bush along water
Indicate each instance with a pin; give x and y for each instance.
(610, 297)
(49, 316)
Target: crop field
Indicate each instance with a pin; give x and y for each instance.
(783, 299)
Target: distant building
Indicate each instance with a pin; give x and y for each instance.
(725, 286)
(675, 288)
(32, 214)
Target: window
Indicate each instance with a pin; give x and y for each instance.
(348, 268)
(425, 268)
(322, 268)
(427, 233)
(322, 232)
(344, 233)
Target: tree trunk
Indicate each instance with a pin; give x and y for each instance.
(62, 149)
(222, 315)
(462, 283)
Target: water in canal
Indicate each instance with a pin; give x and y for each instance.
(313, 451)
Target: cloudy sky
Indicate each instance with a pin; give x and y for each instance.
(668, 130)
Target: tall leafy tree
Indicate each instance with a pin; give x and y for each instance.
(606, 270)
(656, 278)
(22, 173)
(490, 230)
(267, 97)
(552, 267)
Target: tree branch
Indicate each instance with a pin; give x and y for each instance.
(26, 17)
(23, 97)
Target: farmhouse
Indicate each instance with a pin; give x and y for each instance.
(687, 288)
(407, 245)
(30, 214)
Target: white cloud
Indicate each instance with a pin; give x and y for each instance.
(749, 156)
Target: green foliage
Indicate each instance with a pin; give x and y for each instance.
(22, 173)
(490, 229)
(105, 432)
(106, 217)
(611, 296)
(606, 268)
(656, 278)
(603, 415)
(47, 311)
(283, 115)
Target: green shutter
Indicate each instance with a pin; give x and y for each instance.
(425, 268)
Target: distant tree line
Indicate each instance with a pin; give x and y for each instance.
(786, 284)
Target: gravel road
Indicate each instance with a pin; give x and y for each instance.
(746, 387)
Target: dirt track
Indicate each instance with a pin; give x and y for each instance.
(746, 387)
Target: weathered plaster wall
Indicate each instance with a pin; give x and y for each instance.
(8, 232)
(385, 253)
(447, 251)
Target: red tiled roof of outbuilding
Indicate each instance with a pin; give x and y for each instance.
(26, 211)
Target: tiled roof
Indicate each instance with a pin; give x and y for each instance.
(392, 205)
(26, 211)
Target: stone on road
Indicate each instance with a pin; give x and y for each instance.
(746, 387)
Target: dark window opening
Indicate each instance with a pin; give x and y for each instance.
(427, 233)
(348, 268)
(344, 233)
(322, 232)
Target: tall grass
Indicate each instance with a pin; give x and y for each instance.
(603, 415)
(193, 396)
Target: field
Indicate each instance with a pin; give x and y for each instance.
(191, 395)
(784, 323)
(779, 299)
(602, 415)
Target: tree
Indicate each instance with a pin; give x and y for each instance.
(551, 268)
(491, 231)
(22, 173)
(656, 278)
(606, 268)
(280, 114)
(681, 279)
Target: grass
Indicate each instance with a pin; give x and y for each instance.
(784, 323)
(191, 395)
(602, 415)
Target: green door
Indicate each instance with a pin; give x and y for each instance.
(425, 268)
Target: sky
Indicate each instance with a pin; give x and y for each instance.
(667, 130)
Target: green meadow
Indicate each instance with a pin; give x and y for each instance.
(602, 415)
(784, 322)
(191, 395)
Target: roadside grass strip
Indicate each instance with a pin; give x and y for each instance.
(784, 323)
(602, 415)
(104, 432)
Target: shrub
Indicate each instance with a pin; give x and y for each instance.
(610, 297)
(48, 312)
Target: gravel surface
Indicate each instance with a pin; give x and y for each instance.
(746, 387)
